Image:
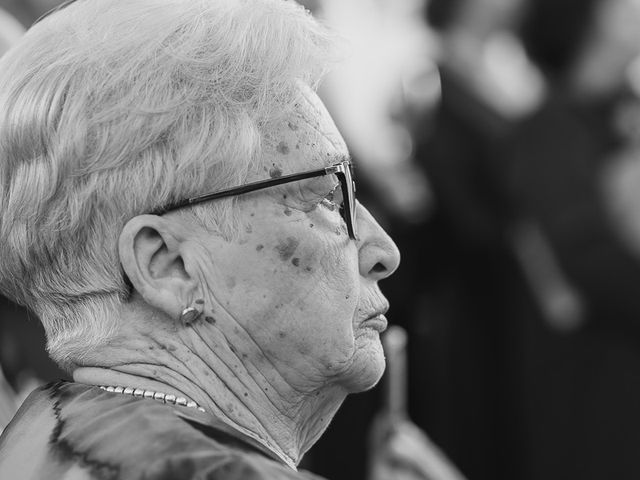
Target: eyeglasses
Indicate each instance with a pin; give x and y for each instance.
(342, 170)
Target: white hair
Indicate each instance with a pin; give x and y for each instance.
(110, 109)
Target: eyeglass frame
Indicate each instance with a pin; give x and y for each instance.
(343, 171)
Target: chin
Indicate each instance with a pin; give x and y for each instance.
(367, 367)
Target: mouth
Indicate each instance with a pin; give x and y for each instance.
(377, 322)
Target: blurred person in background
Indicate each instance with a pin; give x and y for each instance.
(567, 165)
(465, 288)
(389, 77)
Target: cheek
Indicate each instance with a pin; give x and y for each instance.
(306, 280)
(300, 293)
(297, 261)
(326, 310)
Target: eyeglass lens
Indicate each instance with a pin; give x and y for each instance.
(348, 194)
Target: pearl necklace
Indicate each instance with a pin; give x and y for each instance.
(159, 396)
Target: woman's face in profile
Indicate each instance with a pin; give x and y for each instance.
(296, 286)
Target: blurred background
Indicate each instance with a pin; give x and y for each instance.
(498, 141)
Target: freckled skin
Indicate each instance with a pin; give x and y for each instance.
(318, 310)
(275, 172)
(286, 248)
(283, 148)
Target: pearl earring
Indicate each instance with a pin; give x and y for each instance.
(189, 315)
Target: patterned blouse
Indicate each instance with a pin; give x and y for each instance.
(74, 431)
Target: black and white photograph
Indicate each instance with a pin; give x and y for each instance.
(319, 240)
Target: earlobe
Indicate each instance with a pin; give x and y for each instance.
(150, 255)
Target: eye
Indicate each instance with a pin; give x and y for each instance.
(328, 202)
(333, 200)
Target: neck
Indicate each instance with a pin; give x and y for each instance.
(231, 379)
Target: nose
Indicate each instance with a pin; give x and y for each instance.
(379, 256)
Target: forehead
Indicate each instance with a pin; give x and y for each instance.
(305, 138)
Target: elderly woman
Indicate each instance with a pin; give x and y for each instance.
(178, 209)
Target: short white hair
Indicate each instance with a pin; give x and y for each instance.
(110, 109)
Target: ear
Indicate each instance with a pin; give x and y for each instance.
(149, 250)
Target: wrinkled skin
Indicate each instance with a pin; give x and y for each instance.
(296, 285)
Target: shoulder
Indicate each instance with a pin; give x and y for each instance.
(74, 431)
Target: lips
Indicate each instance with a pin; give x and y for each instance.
(376, 320)
(371, 312)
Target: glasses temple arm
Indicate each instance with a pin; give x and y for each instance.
(248, 188)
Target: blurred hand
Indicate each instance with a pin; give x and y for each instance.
(401, 451)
